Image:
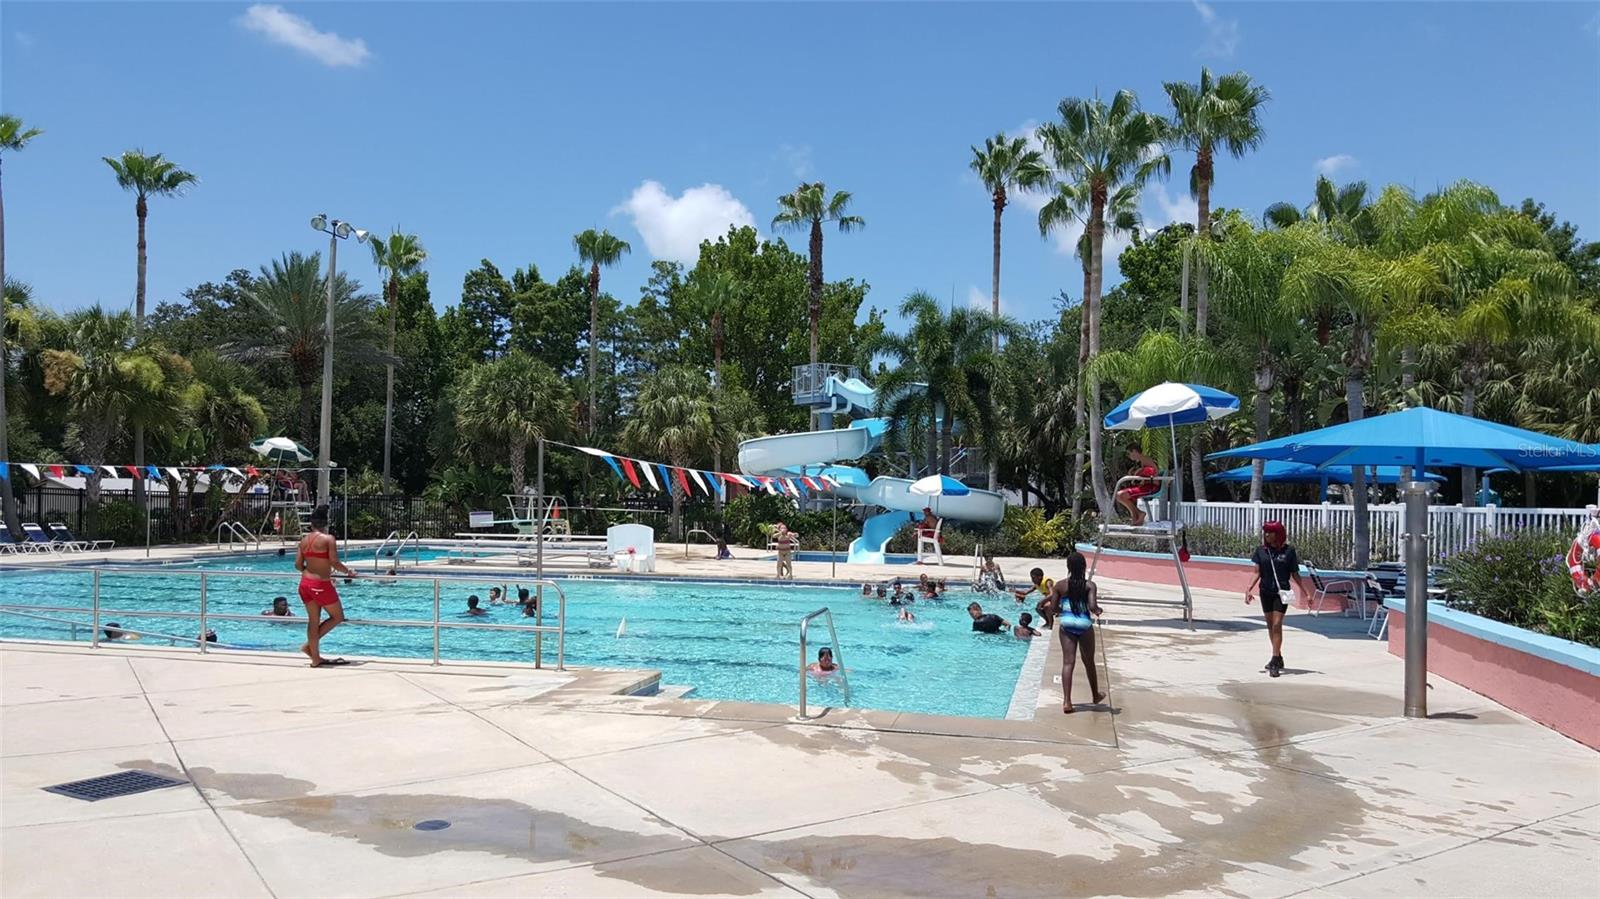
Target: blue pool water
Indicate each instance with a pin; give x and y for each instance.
(727, 641)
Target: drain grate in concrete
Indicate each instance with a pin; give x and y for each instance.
(123, 783)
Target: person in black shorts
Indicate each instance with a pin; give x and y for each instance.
(1277, 571)
(986, 623)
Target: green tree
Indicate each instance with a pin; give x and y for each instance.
(1215, 113)
(509, 404)
(710, 298)
(953, 355)
(1005, 164)
(291, 295)
(400, 256)
(600, 249)
(550, 320)
(1158, 357)
(1098, 149)
(485, 313)
(13, 137)
(146, 175)
(673, 416)
(1581, 256)
(808, 208)
(110, 381)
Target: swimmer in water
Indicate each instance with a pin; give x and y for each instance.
(472, 606)
(496, 598)
(824, 663)
(906, 616)
(280, 607)
(1025, 629)
(882, 592)
(866, 589)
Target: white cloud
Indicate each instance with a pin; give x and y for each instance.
(673, 227)
(1331, 166)
(1222, 35)
(982, 299)
(796, 158)
(280, 26)
(1169, 209)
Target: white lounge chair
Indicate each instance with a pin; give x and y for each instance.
(58, 531)
(41, 540)
(928, 544)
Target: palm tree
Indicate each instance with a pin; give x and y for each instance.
(1217, 112)
(292, 295)
(1005, 164)
(599, 249)
(711, 297)
(110, 380)
(1099, 149)
(952, 354)
(1122, 217)
(1344, 210)
(512, 402)
(400, 256)
(146, 175)
(673, 416)
(1250, 265)
(808, 208)
(13, 137)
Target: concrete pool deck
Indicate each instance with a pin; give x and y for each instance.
(1200, 776)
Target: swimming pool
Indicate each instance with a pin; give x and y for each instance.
(725, 641)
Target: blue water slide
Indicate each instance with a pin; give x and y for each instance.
(876, 532)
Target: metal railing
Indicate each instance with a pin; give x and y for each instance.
(838, 657)
(99, 613)
(411, 538)
(237, 533)
(690, 533)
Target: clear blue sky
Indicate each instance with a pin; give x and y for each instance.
(499, 130)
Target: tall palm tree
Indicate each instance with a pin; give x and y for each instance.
(1216, 113)
(808, 208)
(1344, 209)
(1122, 217)
(952, 354)
(673, 416)
(1101, 148)
(146, 175)
(292, 294)
(400, 256)
(1003, 165)
(711, 297)
(512, 402)
(600, 249)
(110, 380)
(1250, 265)
(13, 137)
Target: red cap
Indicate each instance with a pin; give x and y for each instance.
(1273, 527)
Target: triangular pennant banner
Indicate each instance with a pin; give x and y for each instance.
(628, 469)
(716, 484)
(611, 461)
(56, 472)
(32, 470)
(5, 471)
(702, 484)
(153, 472)
(666, 479)
(110, 471)
(85, 470)
(649, 473)
(683, 480)
(176, 474)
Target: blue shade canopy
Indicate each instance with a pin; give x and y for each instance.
(1300, 473)
(1170, 404)
(1425, 438)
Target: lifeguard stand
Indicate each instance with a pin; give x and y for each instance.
(1163, 529)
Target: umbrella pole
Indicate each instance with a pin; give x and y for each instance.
(1416, 494)
(1177, 472)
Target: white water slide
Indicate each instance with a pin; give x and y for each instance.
(815, 452)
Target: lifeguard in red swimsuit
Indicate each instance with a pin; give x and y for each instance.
(1128, 497)
(317, 558)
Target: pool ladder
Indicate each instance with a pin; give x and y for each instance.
(838, 657)
(410, 538)
(237, 533)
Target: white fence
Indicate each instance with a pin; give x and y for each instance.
(1450, 528)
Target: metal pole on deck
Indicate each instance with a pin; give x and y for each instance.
(538, 556)
(1416, 495)
(833, 544)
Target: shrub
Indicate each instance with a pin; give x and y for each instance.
(118, 520)
(366, 524)
(748, 518)
(1521, 579)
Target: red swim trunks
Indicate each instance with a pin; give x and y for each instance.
(320, 592)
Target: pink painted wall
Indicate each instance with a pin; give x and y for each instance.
(1562, 698)
(1232, 577)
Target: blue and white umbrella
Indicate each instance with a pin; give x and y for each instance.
(1169, 405)
(939, 485)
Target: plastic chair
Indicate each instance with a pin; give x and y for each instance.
(928, 544)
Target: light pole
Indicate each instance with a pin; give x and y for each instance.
(336, 231)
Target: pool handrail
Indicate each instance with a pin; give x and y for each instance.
(690, 533)
(411, 538)
(838, 658)
(237, 529)
(96, 611)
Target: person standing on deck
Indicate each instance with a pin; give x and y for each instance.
(317, 558)
(1277, 569)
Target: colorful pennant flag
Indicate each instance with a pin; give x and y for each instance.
(649, 473)
(633, 475)
(32, 470)
(683, 481)
(666, 479)
(85, 470)
(696, 475)
(611, 461)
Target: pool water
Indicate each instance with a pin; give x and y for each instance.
(726, 641)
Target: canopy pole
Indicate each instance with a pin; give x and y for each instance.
(1416, 495)
(1176, 472)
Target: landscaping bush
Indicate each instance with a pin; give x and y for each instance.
(366, 524)
(117, 520)
(748, 517)
(1522, 580)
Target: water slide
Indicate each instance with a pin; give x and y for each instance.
(815, 452)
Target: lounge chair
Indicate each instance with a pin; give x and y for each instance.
(59, 532)
(11, 543)
(40, 539)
